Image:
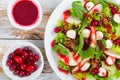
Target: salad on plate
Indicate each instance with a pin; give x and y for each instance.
(87, 40)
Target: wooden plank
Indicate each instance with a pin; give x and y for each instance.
(8, 31)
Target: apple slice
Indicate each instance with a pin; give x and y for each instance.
(103, 72)
(85, 67)
(89, 5)
(79, 66)
(112, 54)
(96, 8)
(110, 60)
(72, 20)
(93, 36)
(63, 58)
(116, 17)
(74, 59)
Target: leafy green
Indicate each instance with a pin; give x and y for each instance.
(107, 11)
(62, 49)
(97, 16)
(99, 53)
(103, 43)
(85, 23)
(116, 48)
(60, 38)
(118, 61)
(78, 9)
(90, 52)
(60, 23)
(81, 43)
(104, 2)
(95, 1)
(63, 65)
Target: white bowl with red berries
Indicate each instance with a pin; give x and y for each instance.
(23, 61)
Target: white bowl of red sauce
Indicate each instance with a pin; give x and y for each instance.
(24, 14)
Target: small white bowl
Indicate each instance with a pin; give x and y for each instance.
(12, 49)
(12, 20)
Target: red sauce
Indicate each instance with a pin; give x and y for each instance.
(25, 12)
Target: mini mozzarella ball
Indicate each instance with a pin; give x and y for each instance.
(102, 72)
(89, 5)
(109, 44)
(99, 35)
(110, 60)
(116, 18)
(85, 67)
(86, 33)
(71, 34)
(72, 19)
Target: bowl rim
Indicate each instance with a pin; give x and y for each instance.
(23, 27)
(10, 73)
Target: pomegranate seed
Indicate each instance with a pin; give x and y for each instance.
(16, 72)
(117, 66)
(86, 43)
(24, 55)
(57, 29)
(95, 71)
(53, 43)
(66, 14)
(94, 23)
(26, 49)
(13, 67)
(27, 73)
(35, 66)
(114, 10)
(18, 51)
(30, 68)
(18, 59)
(9, 62)
(36, 57)
(31, 59)
(22, 74)
(23, 66)
(11, 55)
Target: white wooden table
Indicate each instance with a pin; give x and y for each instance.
(10, 35)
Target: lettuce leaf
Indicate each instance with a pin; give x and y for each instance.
(107, 11)
(78, 9)
(62, 65)
(60, 23)
(116, 48)
(60, 38)
(62, 49)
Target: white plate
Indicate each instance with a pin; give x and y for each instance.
(50, 35)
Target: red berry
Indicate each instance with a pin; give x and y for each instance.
(16, 72)
(36, 57)
(53, 43)
(94, 23)
(18, 59)
(57, 29)
(18, 51)
(23, 66)
(24, 55)
(66, 14)
(11, 55)
(35, 66)
(27, 73)
(13, 67)
(26, 49)
(30, 68)
(114, 10)
(9, 62)
(31, 59)
(22, 74)
(117, 66)
(95, 71)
